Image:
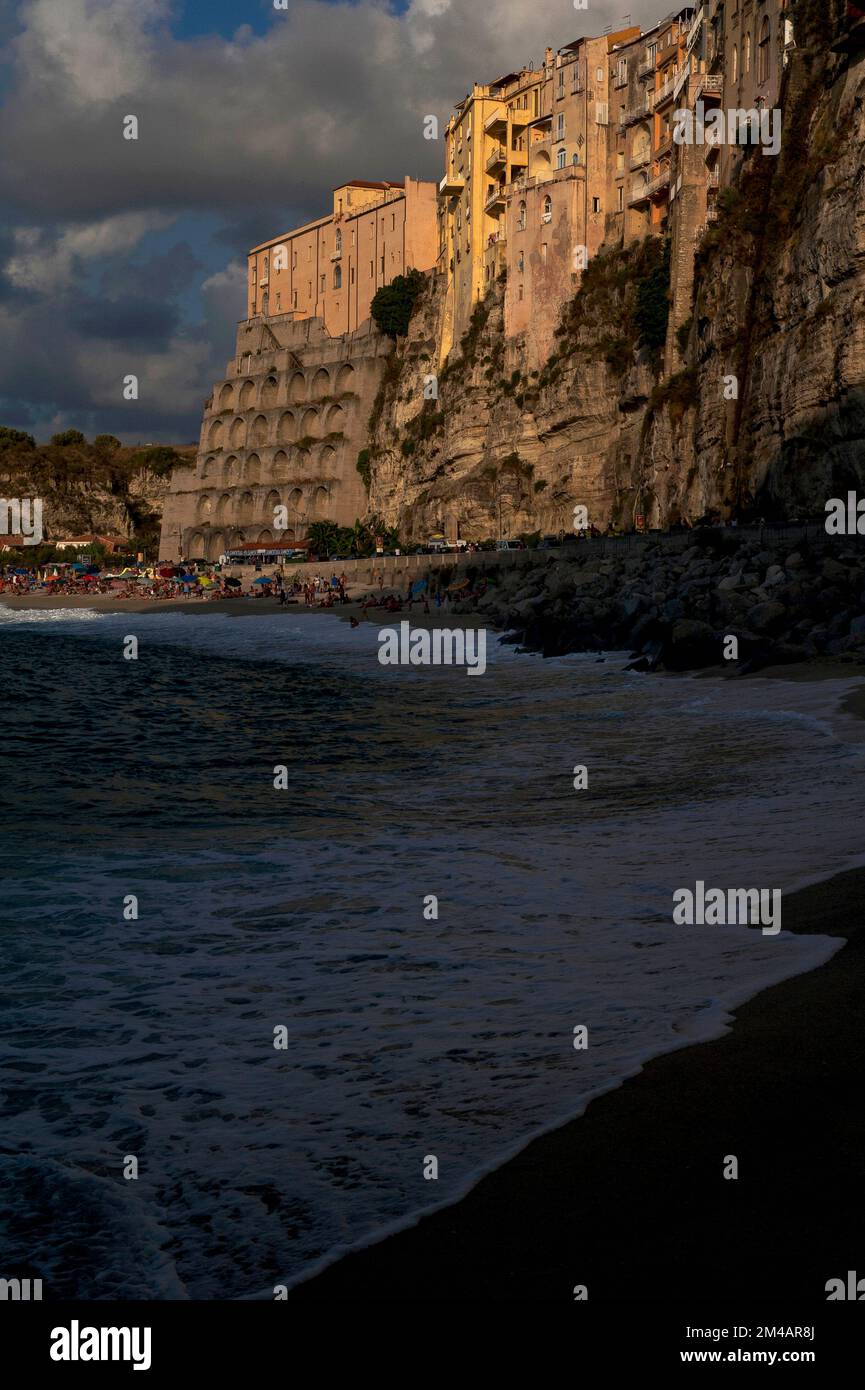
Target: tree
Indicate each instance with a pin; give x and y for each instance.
(322, 537)
(653, 303)
(107, 443)
(68, 437)
(393, 304)
(9, 437)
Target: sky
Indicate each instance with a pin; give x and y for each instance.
(127, 257)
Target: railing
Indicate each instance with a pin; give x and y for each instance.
(662, 181)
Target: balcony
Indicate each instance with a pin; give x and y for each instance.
(451, 186)
(709, 86)
(657, 185)
(713, 179)
(494, 203)
(665, 91)
(336, 255)
(519, 157)
(639, 193)
(639, 110)
(497, 159)
(521, 118)
(496, 124)
(646, 67)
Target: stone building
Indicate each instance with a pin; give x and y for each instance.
(282, 429)
(331, 268)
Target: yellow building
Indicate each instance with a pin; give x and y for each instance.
(486, 148)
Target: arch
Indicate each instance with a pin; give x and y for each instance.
(763, 49)
(215, 545)
(320, 384)
(232, 471)
(205, 507)
(264, 537)
(223, 507)
(279, 467)
(245, 508)
(309, 424)
(335, 422)
(237, 433)
(271, 502)
(233, 539)
(209, 467)
(547, 209)
(194, 549)
(247, 394)
(296, 504)
(226, 396)
(641, 149)
(320, 502)
(258, 430)
(521, 215)
(345, 378)
(252, 471)
(215, 435)
(301, 460)
(268, 391)
(297, 388)
(327, 460)
(285, 430)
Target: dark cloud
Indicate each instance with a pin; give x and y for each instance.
(252, 132)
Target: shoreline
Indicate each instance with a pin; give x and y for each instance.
(628, 1197)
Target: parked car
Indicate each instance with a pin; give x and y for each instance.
(510, 545)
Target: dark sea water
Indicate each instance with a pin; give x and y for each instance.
(259, 908)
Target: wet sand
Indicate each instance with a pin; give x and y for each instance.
(630, 1200)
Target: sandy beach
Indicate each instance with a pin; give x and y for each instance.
(630, 1200)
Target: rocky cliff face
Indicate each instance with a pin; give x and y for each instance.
(766, 414)
(84, 495)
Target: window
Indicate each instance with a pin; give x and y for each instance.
(561, 159)
(521, 292)
(521, 218)
(338, 246)
(521, 262)
(294, 299)
(371, 268)
(575, 159)
(734, 69)
(547, 214)
(620, 198)
(382, 265)
(543, 253)
(352, 237)
(323, 283)
(763, 52)
(746, 55)
(337, 277)
(599, 74)
(393, 221)
(309, 250)
(596, 205)
(561, 91)
(278, 302)
(351, 277)
(309, 289)
(560, 126)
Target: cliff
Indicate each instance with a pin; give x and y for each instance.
(755, 408)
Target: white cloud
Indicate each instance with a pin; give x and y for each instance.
(49, 261)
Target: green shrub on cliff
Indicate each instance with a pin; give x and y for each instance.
(393, 304)
(653, 303)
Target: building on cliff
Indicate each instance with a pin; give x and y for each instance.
(285, 425)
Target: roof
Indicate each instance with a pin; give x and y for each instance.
(370, 183)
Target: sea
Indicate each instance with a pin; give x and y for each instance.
(239, 1020)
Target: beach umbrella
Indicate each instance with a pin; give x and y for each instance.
(262, 580)
(205, 581)
(233, 583)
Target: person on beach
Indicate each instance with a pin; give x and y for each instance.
(380, 577)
